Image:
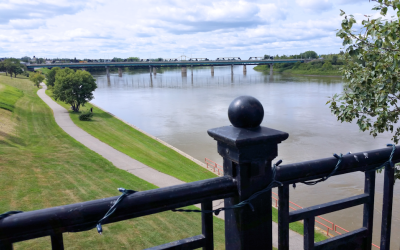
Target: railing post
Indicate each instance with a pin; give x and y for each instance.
(368, 214)
(248, 150)
(309, 225)
(283, 218)
(207, 225)
(4, 245)
(387, 207)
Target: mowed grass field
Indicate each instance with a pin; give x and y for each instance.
(41, 166)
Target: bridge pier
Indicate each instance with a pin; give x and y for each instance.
(212, 70)
(191, 68)
(271, 68)
(120, 72)
(184, 71)
(83, 69)
(108, 71)
(151, 77)
(154, 71)
(232, 70)
(244, 70)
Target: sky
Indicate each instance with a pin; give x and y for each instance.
(171, 28)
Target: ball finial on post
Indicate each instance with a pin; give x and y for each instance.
(246, 112)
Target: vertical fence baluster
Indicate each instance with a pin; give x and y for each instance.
(387, 207)
(6, 245)
(309, 225)
(368, 214)
(283, 218)
(57, 242)
(207, 225)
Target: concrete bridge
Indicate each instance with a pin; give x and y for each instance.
(153, 65)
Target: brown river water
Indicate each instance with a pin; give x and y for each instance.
(180, 110)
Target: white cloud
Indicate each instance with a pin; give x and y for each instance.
(315, 5)
(26, 24)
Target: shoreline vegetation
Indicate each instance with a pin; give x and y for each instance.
(314, 68)
(321, 65)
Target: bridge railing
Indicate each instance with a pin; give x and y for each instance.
(248, 151)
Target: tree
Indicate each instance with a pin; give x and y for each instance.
(40, 60)
(36, 78)
(26, 59)
(3, 67)
(334, 59)
(133, 59)
(117, 59)
(309, 54)
(14, 66)
(372, 90)
(327, 65)
(74, 87)
(51, 76)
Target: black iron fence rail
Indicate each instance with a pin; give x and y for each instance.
(85, 215)
(309, 170)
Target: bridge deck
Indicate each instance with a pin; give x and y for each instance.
(164, 64)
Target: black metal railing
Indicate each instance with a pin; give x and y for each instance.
(366, 162)
(247, 152)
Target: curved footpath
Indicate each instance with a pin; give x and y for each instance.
(122, 161)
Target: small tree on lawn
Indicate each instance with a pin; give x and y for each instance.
(36, 78)
(74, 87)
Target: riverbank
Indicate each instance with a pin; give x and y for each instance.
(43, 167)
(305, 69)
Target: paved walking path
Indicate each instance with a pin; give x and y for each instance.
(122, 161)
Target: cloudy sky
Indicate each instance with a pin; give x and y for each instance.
(170, 28)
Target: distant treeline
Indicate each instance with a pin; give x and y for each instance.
(321, 65)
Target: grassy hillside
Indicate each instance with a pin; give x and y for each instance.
(137, 145)
(9, 96)
(41, 166)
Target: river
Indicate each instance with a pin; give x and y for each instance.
(180, 110)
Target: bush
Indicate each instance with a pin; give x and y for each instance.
(86, 116)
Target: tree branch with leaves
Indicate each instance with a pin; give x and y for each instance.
(371, 72)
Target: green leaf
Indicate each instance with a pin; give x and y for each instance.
(383, 11)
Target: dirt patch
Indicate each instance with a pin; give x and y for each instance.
(7, 124)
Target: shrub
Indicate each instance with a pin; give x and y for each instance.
(86, 116)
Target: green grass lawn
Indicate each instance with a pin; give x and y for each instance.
(43, 70)
(137, 145)
(9, 96)
(41, 166)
